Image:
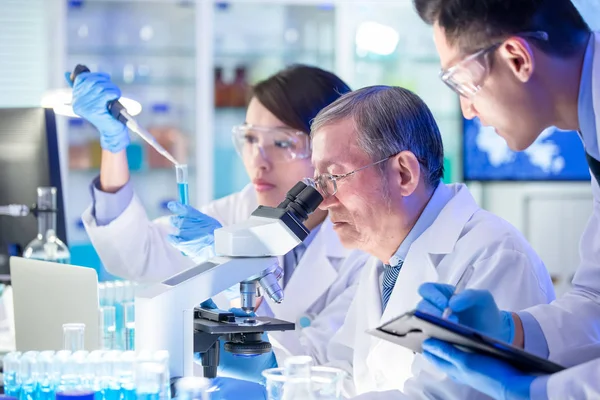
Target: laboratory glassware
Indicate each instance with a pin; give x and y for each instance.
(181, 171)
(46, 245)
(73, 337)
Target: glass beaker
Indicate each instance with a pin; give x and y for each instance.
(192, 388)
(324, 383)
(149, 380)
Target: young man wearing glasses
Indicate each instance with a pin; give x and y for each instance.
(522, 66)
(378, 161)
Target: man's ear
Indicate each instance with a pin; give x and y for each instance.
(405, 170)
(518, 55)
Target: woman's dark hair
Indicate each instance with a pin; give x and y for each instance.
(296, 94)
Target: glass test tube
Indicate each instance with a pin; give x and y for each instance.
(108, 327)
(129, 316)
(120, 318)
(46, 375)
(73, 337)
(28, 375)
(11, 366)
(181, 171)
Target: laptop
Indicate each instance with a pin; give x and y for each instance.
(47, 295)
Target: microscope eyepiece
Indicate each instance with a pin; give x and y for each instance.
(291, 195)
(309, 198)
(305, 203)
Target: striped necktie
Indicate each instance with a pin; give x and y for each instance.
(390, 274)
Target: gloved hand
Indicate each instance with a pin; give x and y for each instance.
(473, 308)
(195, 236)
(234, 389)
(92, 91)
(486, 374)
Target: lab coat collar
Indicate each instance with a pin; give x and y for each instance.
(313, 276)
(444, 232)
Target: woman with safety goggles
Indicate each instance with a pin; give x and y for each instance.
(274, 144)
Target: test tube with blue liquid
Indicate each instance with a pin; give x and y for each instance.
(28, 376)
(11, 366)
(46, 375)
(182, 183)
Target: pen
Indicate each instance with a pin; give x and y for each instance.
(460, 286)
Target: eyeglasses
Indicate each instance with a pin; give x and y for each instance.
(326, 184)
(467, 76)
(278, 145)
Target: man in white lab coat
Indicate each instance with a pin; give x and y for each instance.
(378, 159)
(522, 66)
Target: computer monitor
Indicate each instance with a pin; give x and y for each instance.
(29, 158)
(555, 156)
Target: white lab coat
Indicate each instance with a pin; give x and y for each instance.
(462, 235)
(572, 322)
(321, 288)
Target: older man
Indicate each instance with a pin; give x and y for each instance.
(379, 160)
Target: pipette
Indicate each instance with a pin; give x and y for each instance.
(118, 111)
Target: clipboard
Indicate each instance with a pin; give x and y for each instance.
(411, 329)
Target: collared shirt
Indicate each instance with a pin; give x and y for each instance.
(441, 196)
(535, 341)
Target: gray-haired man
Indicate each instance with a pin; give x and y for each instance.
(379, 160)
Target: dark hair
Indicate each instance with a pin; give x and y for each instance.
(389, 120)
(296, 94)
(476, 24)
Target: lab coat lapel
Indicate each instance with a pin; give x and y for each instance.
(313, 275)
(420, 266)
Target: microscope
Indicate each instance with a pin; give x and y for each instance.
(168, 316)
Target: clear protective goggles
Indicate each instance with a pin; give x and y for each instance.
(275, 144)
(468, 75)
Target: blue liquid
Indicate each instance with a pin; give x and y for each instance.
(112, 394)
(46, 392)
(148, 396)
(29, 392)
(184, 194)
(129, 338)
(128, 394)
(12, 390)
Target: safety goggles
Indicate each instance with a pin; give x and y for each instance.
(327, 184)
(467, 76)
(275, 144)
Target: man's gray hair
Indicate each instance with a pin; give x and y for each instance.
(389, 120)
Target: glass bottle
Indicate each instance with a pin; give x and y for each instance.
(47, 246)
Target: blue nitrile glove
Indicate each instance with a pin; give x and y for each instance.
(486, 374)
(235, 389)
(92, 91)
(195, 236)
(473, 308)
